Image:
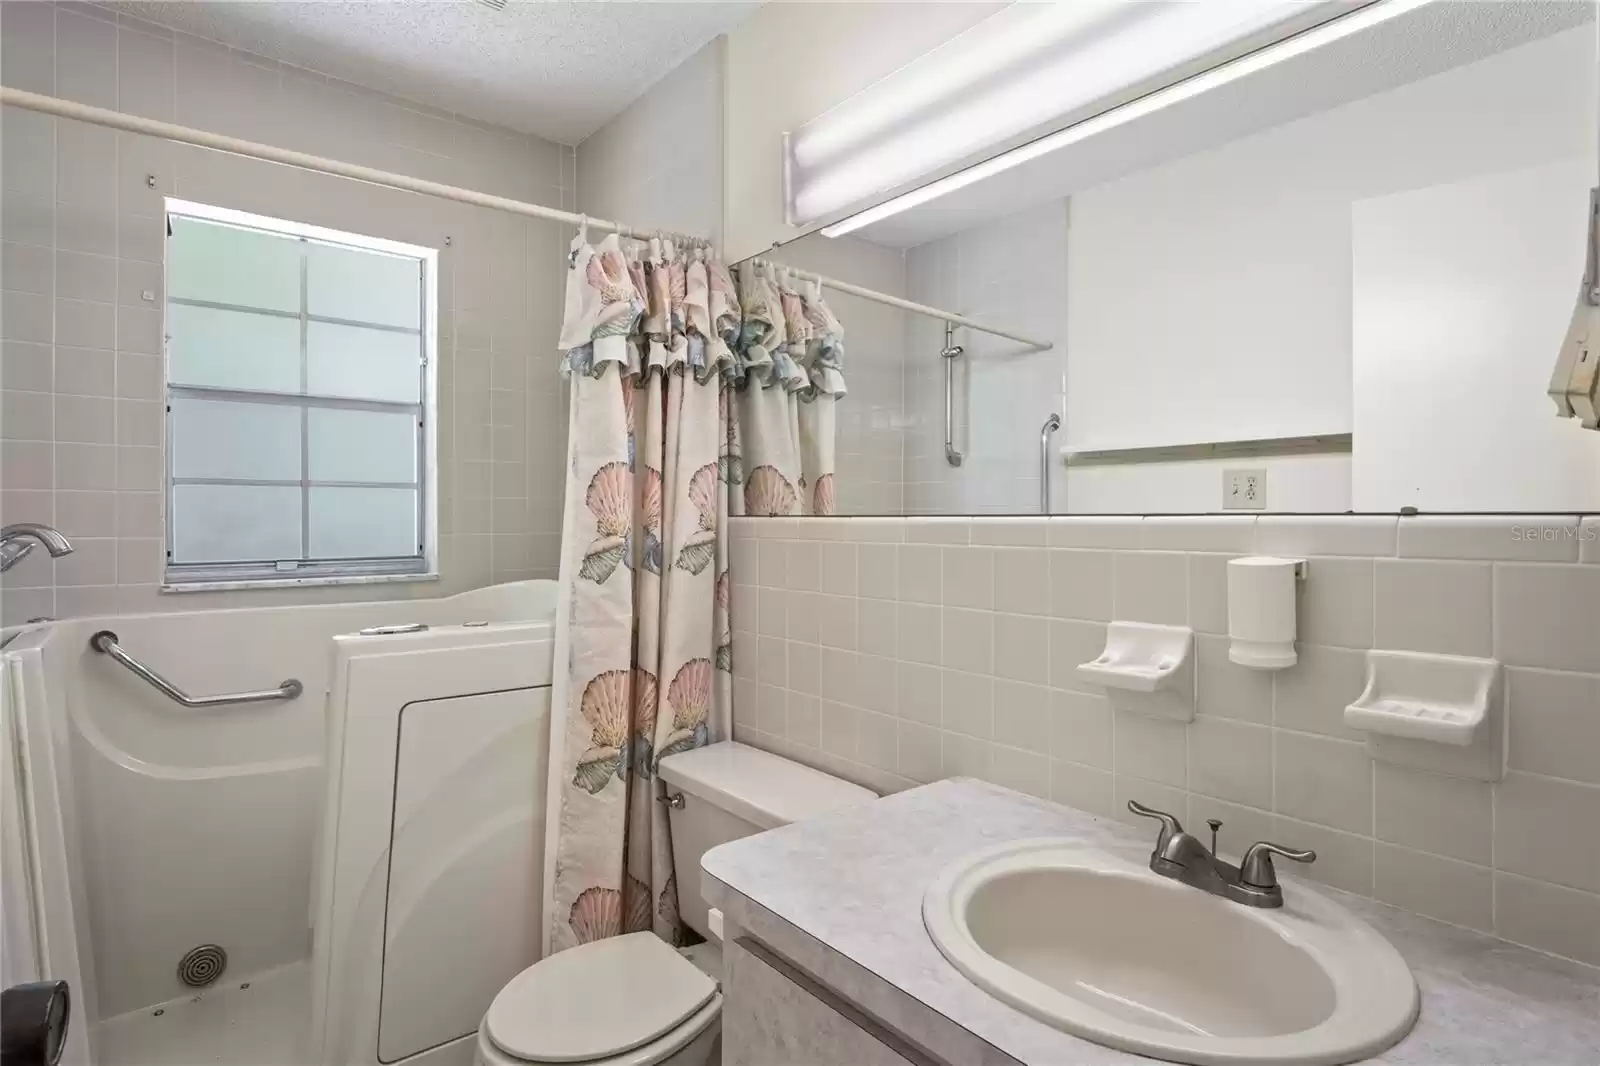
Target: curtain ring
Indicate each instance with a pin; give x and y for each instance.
(582, 242)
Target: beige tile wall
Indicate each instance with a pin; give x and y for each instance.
(81, 222)
(897, 651)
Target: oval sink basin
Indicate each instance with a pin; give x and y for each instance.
(1090, 941)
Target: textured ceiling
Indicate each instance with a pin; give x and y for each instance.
(556, 69)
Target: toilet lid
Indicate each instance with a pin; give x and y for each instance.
(597, 1000)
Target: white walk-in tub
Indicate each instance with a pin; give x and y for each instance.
(153, 829)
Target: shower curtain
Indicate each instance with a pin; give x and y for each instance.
(790, 348)
(643, 640)
(689, 397)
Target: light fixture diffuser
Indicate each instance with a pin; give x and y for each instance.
(1233, 70)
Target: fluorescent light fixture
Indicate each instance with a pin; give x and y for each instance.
(1269, 56)
(1015, 71)
(1019, 39)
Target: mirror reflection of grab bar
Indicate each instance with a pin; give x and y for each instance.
(952, 352)
(1051, 424)
(105, 642)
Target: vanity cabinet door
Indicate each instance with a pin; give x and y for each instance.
(769, 1019)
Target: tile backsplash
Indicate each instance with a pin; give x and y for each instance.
(896, 651)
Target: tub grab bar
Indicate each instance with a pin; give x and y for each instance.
(105, 642)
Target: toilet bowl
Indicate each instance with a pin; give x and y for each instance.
(634, 1000)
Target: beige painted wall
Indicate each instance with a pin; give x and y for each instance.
(789, 62)
(625, 175)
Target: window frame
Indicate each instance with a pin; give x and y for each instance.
(424, 565)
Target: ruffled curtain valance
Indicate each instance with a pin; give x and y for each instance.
(650, 310)
(790, 354)
(788, 337)
(767, 332)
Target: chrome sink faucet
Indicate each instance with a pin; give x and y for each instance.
(17, 540)
(1182, 857)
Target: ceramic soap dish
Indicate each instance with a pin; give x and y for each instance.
(1443, 699)
(1139, 656)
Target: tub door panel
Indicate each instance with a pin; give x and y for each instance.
(430, 868)
(466, 864)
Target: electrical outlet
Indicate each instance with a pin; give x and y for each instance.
(1244, 489)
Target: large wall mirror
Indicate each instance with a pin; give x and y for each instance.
(1338, 283)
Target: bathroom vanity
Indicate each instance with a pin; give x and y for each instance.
(828, 959)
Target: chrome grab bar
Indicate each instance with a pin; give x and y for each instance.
(952, 352)
(1051, 424)
(105, 642)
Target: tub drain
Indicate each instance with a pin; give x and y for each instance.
(202, 965)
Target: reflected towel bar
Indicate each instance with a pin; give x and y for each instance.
(105, 642)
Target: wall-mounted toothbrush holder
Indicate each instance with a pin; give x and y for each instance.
(1146, 669)
(1263, 594)
(1442, 713)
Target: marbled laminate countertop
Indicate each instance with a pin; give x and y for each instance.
(841, 896)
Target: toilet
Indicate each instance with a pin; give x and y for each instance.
(634, 1000)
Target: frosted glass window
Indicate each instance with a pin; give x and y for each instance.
(235, 441)
(235, 523)
(367, 364)
(229, 265)
(348, 445)
(297, 399)
(213, 348)
(354, 523)
(363, 286)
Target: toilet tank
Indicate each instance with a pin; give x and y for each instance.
(730, 791)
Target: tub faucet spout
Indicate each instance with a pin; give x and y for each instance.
(17, 540)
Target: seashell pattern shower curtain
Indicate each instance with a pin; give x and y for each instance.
(690, 398)
(643, 639)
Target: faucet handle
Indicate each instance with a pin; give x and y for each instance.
(1256, 869)
(13, 552)
(1170, 826)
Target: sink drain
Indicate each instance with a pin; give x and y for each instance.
(202, 965)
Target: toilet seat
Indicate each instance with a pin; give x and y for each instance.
(627, 999)
(658, 1051)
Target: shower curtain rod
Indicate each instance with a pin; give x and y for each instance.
(117, 120)
(910, 305)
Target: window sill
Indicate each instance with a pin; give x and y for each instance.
(295, 582)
